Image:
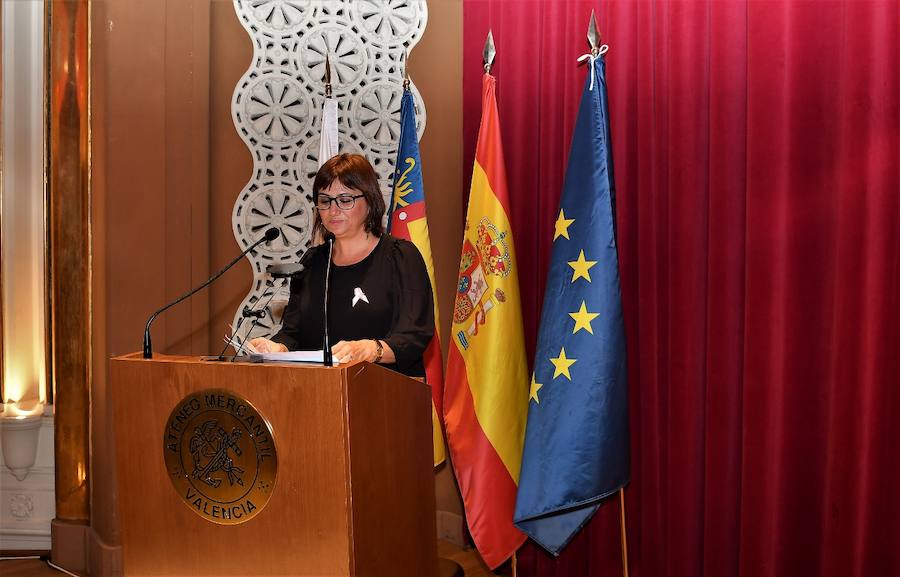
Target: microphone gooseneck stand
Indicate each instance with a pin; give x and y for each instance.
(269, 236)
(246, 313)
(249, 312)
(326, 344)
(282, 272)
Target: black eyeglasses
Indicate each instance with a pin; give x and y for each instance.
(343, 201)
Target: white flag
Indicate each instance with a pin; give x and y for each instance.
(328, 138)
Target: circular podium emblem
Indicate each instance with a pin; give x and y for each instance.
(220, 455)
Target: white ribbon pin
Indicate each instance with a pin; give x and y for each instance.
(359, 295)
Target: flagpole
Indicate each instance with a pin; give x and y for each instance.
(594, 39)
(623, 532)
(513, 565)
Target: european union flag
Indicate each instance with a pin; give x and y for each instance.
(576, 439)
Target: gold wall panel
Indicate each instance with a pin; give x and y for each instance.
(69, 251)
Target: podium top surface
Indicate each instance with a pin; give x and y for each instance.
(163, 358)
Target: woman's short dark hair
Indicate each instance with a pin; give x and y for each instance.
(353, 171)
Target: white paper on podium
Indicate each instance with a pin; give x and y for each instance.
(314, 357)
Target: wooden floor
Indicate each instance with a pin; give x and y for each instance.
(468, 559)
(27, 568)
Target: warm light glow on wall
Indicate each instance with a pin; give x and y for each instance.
(23, 208)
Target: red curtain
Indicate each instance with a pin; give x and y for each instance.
(757, 156)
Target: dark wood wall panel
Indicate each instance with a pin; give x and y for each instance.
(230, 165)
(186, 176)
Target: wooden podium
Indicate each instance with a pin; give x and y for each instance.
(354, 487)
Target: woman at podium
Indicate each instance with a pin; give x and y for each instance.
(380, 307)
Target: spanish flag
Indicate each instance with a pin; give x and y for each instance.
(406, 220)
(486, 389)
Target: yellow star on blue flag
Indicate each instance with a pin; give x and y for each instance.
(561, 365)
(583, 319)
(562, 225)
(535, 387)
(581, 267)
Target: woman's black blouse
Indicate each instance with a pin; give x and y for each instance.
(386, 296)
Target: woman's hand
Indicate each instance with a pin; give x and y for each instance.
(355, 351)
(264, 345)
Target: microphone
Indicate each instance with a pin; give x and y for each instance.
(246, 313)
(269, 236)
(282, 272)
(326, 345)
(293, 269)
(250, 313)
(286, 270)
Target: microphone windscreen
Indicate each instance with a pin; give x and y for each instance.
(329, 236)
(272, 234)
(285, 270)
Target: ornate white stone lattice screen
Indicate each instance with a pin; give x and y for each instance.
(277, 108)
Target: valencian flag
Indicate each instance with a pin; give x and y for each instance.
(406, 219)
(576, 443)
(486, 391)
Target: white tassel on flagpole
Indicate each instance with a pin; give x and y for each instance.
(328, 138)
(593, 56)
